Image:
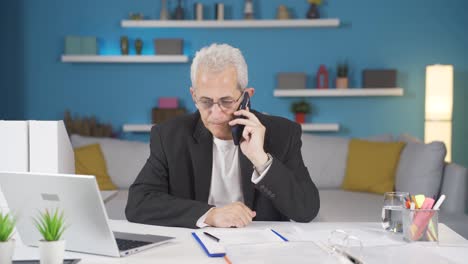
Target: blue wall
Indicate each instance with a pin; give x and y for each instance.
(10, 59)
(407, 35)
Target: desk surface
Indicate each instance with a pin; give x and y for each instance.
(185, 250)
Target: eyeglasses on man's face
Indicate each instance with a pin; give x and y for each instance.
(225, 103)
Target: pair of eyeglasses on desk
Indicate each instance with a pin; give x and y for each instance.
(340, 244)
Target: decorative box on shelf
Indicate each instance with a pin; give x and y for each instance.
(160, 115)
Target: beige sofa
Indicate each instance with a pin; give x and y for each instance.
(325, 158)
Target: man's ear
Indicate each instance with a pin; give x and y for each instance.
(250, 91)
(192, 92)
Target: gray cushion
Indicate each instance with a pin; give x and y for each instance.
(421, 168)
(455, 187)
(325, 158)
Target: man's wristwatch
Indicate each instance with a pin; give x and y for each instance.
(262, 168)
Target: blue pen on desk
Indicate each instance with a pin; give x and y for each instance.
(211, 236)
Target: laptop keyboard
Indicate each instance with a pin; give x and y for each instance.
(125, 244)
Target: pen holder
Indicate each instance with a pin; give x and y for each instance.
(421, 225)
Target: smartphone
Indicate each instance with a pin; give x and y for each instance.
(238, 129)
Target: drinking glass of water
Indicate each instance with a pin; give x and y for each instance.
(394, 204)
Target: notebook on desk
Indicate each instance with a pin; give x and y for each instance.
(214, 248)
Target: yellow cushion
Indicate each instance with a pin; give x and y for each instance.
(371, 166)
(89, 160)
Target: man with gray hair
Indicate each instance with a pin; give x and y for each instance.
(196, 176)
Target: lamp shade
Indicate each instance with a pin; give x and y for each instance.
(439, 92)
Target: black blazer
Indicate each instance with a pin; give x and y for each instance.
(173, 187)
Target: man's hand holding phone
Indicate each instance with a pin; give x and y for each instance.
(253, 136)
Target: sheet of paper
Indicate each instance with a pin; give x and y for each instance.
(408, 253)
(238, 236)
(290, 252)
(368, 236)
(235, 237)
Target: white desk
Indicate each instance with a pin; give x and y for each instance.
(185, 250)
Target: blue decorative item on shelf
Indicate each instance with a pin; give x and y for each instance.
(89, 46)
(72, 45)
(77, 45)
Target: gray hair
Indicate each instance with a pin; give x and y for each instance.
(216, 58)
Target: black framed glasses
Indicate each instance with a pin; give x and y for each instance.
(223, 103)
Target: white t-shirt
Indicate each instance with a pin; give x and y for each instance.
(226, 180)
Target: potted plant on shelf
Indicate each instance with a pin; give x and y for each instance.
(51, 225)
(313, 12)
(300, 109)
(7, 244)
(342, 76)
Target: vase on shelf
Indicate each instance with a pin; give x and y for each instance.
(282, 12)
(179, 11)
(138, 46)
(313, 12)
(124, 45)
(248, 9)
(163, 14)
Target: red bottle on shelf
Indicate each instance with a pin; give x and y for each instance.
(322, 77)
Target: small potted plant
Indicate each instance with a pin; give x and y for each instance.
(51, 225)
(7, 243)
(342, 76)
(300, 109)
(313, 12)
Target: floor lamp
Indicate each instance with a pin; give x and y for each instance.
(439, 106)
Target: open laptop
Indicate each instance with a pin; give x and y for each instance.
(78, 196)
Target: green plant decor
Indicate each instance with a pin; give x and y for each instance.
(342, 70)
(51, 225)
(300, 107)
(7, 225)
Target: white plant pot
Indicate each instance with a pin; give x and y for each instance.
(51, 252)
(6, 251)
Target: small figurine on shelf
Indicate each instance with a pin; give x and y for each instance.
(138, 46)
(342, 76)
(163, 14)
(124, 45)
(282, 12)
(179, 11)
(300, 109)
(248, 9)
(313, 12)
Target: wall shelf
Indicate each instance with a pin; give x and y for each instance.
(146, 128)
(137, 128)
(332, 92)
(125, 58)
(260, 23)
(313, 127)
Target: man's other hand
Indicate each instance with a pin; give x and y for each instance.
(232, 215)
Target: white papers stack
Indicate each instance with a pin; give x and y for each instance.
(50, 149)
(14, 150)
